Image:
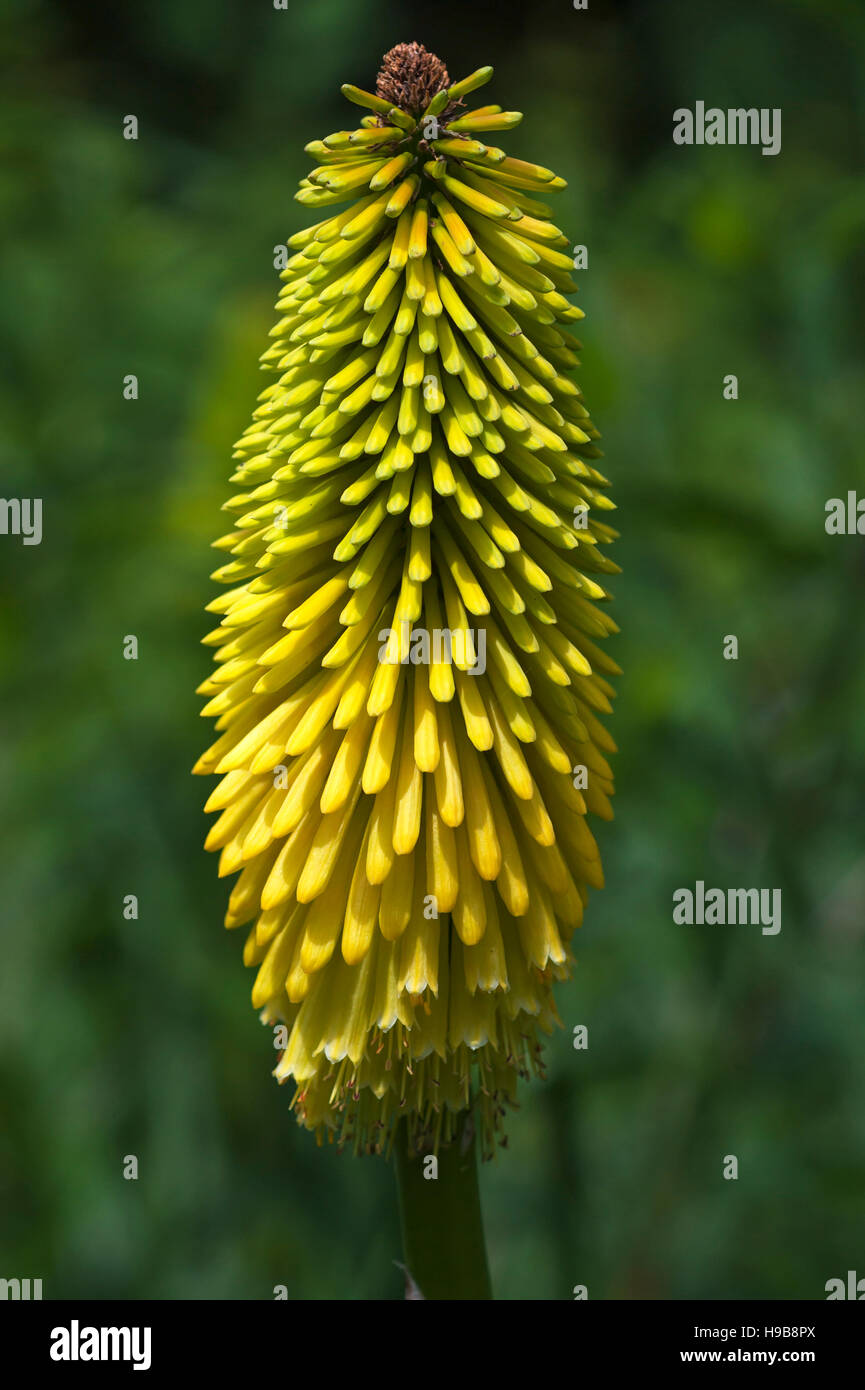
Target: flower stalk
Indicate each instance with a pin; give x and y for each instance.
(408, 669)
(440, 1215)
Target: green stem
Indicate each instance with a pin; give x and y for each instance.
(442, 1228)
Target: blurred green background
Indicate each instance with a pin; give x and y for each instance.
(155, 257)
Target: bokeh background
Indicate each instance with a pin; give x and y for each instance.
(155, 257)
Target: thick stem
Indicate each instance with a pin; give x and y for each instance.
(442, 1228)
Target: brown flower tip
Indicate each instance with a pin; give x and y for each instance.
(410, 77)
